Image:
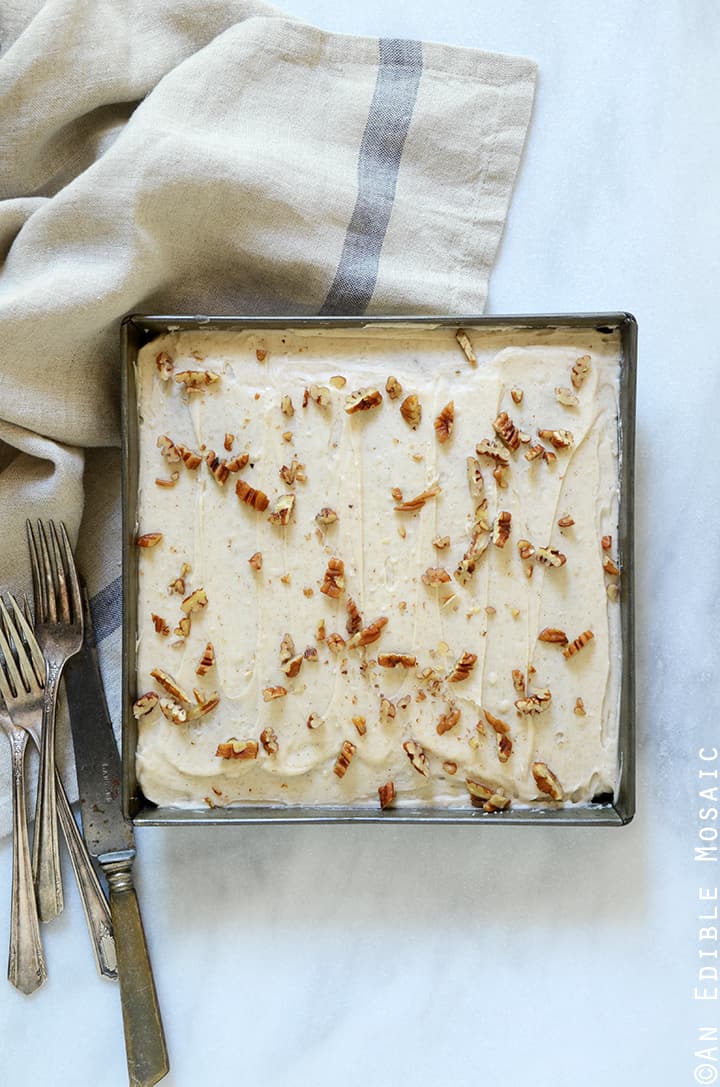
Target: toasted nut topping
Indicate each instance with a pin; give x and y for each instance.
(579, 370)
(552, 634)
(476, 483)
(499, 476)
(392, 660)
(565, 522)
(228, 441)
(387, 795)
(534, 452)
(256, 560)
(462, 338)
(260, 354)
(360, 725)
(462, 668)
(347, 752)
(271, 693)
(269, 740)
(417, 757)
(292, 667)
(334, 580)
(190, 459)
(497, 802)
(450, 767)
(338, 381)
(144, 704)
(478, 790)
(218, 468)
(289, 473)
(168, 449)
(150, 539)
(613, 591)
(440, 542)
(610, 567)
(174, 477)
(478, 545)
(580, 708)
(506, 431)
(548, 456)
(534, 703)
(434, 576)
(286, 406)
(237, 749)
(546, 780)
(171, 685)
(314, 720)
(411, 411)
(195, 379)
(287, 648)
(501, 528)
(497, 723)
(525, 549)
(517, 395)
(173, 711)
(606, 543)
(397, 494)
(404, 702)
(504, 748)
(362, 400)
(368, 634)
(518, 679)
(566, 397)
(160, 625)
(165, 365)
(205, 707)
(247, 494)
(560, 439)
(282, 510)
(387, 710)
(320, 395)
(550, 556)
(354, 619)
(580, 642)
(393, 388)
(492, 449)
(448, 720)
(445, 422)
(206, 661)
(320, 631)
(183, 628)
(197, 600)
(311, 654)
(335, 643)
(326, 516)
(417, 503)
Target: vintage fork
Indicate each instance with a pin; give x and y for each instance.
(27, 715)
(59, 631)
(26, 961)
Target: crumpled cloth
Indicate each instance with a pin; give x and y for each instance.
(213, 156)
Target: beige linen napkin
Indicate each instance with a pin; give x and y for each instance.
(214, 157)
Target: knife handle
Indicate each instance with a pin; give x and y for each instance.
(147, 1057)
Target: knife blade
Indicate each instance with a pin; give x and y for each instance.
(110, 839)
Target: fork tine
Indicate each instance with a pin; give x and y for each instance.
(25, 628)
(48, 577)
(40, 609)
(60, 581)
(77, 603)
(21, 657)
(11, 669)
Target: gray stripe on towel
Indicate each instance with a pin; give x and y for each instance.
(106, 608)
(381, 149)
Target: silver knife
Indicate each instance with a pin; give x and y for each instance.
(111, 841)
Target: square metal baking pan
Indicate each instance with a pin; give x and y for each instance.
(139, 329)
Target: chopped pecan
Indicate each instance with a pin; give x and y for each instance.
(190, 459)
(517, 396)
(286, 406)
(360, 725)
(610, 567)
(386, 794)
(160, 625)
(354, 619)
(168, 449)
(311, 654)
(197, 600)
(326, 517)
(173, 711)
(149, 539)
(434, 576)
(218, 467)
(271, 693)
(260, 354)
(183, 628)
(417, 757)
(347, 751)
(566, 397)
(462, 668)
(206, 661)
(462, 338)
(256, 560)
(320, 395)
(205, 707)
(368, 634)
(606, 543)
(534, 703)
(580, 370)
(501, 528)
(565, 522)
(548, 456)
(497, 802)
(269, 740)
(417, 503)
(362, 400)
(144, 704)
(492, 449)
(338, 381)
(387, 710)
(250, 496)
(171, 686)
(287, 648)
(550, 556)
(526, 549)
(580, 707)
(228, 441)
(293, 666)
(499, 476)
(334, 580)
(195, 379)
(534, 452)
(445, 422)
(335, 643)
(466, 567)
(320, 631)
(237, 749)
(393, 388)
(174, 477)
(560, 439)
(282, 510)
(477, 790)
(165, 365)
(404, 702)
(450, 767)
(497, 723)
(506, 431)
(448, 720)
(552, 634)
(546, 781)
(580, 642)
(411, 411)
(314, 721)
(289, 473)
(392, 660)
(440, 542)
(504, 747)
(476, 483)
(518, 679)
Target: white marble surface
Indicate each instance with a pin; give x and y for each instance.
(287, 957)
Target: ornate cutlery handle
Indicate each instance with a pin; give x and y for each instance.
(46, 853)
(26, 963)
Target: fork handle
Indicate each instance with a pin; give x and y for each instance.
(97, 911)
(26, 963)
(46, 852)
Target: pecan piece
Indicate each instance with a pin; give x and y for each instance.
(269, 740)
(506, 431)
(160, 625)
(335, 643)
(320, 395)
(580, 642)
(144, 704)
(218, 467)
(368, 634)
(165, 365)
(237, 749)
(450, 767)
(174, 477)
(580, 370)
(477, 790)
(149, 539)
(393, 388)
(228, 441)
(206, 661)
(497, 802)
(492, 449)
(440, 542)
(347, 752)
(534, 452)
(462, 338)
(183, 628)
(566, 397)
(417, 503)
(417, 757)
(195, 379)
(553, 635)
(386, 794)
(434, 576)
(292, 666)
(282, 511)
(256, 560)
(392, 660)
(476, 483)
(354, 619)
(560, 439)
(411, 411)
(501, 728)
(326, 517)
(286, 406)
(314, 721)
(565, 522)
(504, 747)
(462, 668)
(610, 567)
(518, 679)
(197, 600)
(360, 725)
(271, 693)
(448, 720)
(251, 497)
(546, 781)
(387, 710)
(580, 707)
(501, 528)
(173, 711)
(534, 703)
(168, 449)
(550, 556)
(445, 422)
(362, 400)
(171, 685)
(334, 580)
(606, 543)
(289, 473)
(517, 396)
(526, 549)
(260, 354)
